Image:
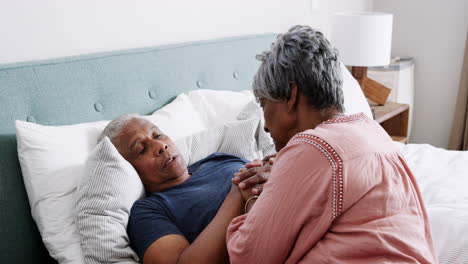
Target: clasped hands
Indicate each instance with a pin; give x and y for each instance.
(253, 176)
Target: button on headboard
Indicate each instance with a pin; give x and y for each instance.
(101, 87)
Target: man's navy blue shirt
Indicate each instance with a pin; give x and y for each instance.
(185, 209)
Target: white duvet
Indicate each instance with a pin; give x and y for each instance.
(442, 176)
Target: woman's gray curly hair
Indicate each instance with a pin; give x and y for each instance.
(114, 128)
(302, 55)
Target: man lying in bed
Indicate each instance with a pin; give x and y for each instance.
(186, 212)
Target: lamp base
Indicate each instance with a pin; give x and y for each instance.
(372, 89)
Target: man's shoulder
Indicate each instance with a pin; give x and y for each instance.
(149, 203)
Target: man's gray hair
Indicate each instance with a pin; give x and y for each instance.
(304, 56)
(114, 128)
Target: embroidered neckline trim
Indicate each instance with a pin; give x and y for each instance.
(341, 119)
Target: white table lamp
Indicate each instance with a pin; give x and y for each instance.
(364, 40)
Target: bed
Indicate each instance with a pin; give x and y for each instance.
(103, 86)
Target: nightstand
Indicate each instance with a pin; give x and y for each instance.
(393, 117)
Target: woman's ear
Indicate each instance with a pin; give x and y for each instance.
(293, 97)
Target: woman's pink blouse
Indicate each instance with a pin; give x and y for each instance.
(339, 193)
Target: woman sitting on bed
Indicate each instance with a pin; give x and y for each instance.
(185, 215)
(339, 191)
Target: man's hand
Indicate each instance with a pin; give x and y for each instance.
(254, 175)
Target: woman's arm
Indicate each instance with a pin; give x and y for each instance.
(208, 247)
(297, 197)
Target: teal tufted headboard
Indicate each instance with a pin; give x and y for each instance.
(101, 87)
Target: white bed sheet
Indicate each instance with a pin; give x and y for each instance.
(442, 176)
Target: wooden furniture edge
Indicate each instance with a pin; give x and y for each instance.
(399, 108)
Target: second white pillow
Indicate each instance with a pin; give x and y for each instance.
(105, 196)
(243, 137)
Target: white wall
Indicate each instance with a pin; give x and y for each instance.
(434, 33)
(32, 30)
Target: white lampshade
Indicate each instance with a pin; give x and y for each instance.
(362, 38)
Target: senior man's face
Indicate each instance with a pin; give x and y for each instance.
(152, 153)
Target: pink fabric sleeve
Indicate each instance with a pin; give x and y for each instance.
(296, 197)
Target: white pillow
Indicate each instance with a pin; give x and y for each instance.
(105, 196)
(179, 118)
(218, 107)
(52, 161)
(354, 99)
(244, 137)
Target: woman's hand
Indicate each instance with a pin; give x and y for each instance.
(254, 175)
(248, 192)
